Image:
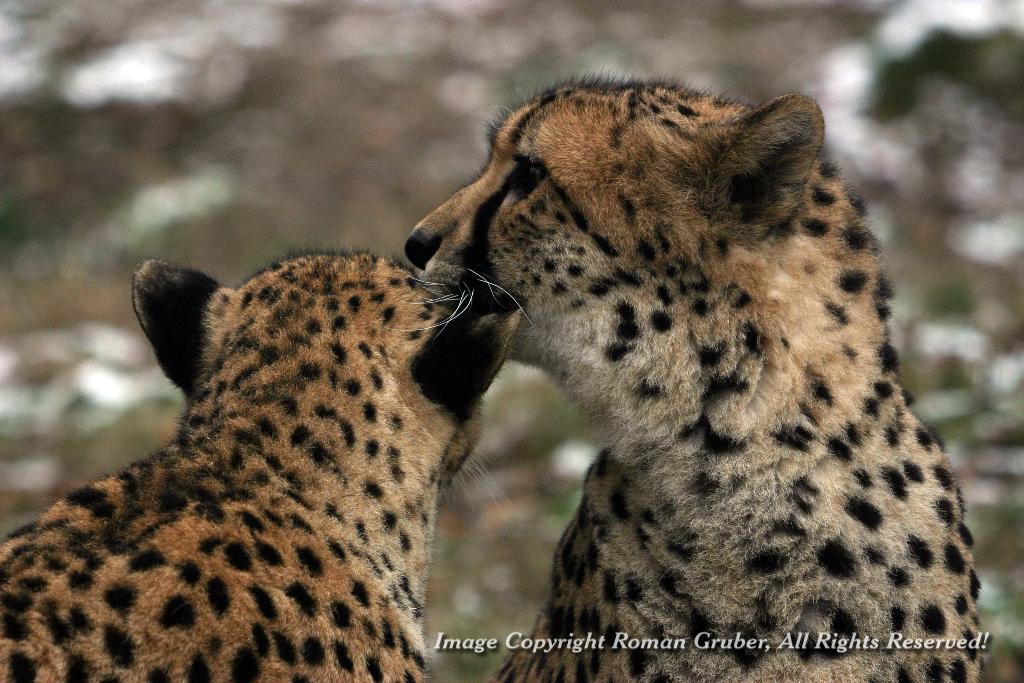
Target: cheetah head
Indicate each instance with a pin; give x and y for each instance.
(595, 188)
(336, 331)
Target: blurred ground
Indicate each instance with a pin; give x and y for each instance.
(223, 133)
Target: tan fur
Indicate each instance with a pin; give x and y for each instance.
(707, 290)
(338, 543)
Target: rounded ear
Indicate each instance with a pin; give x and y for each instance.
(767, 156)
(169, 302)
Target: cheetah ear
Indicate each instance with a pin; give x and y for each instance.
(766, 157)
(170, 302)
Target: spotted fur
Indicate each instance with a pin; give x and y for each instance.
(708, 290)
(285, 534)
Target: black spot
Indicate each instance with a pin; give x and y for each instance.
(852, 280)
(147, 559)
(604, 245)
(842, 622)
(920, 551)
(858, 238)
(944, 509)
(244, 666)
(898, 617)
(648, 390)
(300, 595)
(896, 482)
(343, 657)
(815, 226)
(766, 562)
(898, 576)
(313, 652)
(238, 556)
(888, 358)
(79, 580)
(661, 321)
(961, 604)
(93, 500)
(838, 448)
(178, 612)
(863, 478)
(217, 595)
(119, 646)
(617, 501)
(259, 636)
(943, 476)
(954, 559)
(864, 512)
(965, 535)
(300, 435)
(615, 352)
(958, 670)
(198, 671)
(837, 560)
(310, 560)
(360, 594)
(795, 436)
(913, 471)
(285, 648)
(341, 614)
(120, 597)
(822, 196)
(627, 328)
(933, 620)
(710, 355)
(268, 554)
(837, 312)
(264, 603)
(752, 338)
(821, 391)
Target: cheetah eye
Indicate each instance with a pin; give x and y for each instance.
(525, 177)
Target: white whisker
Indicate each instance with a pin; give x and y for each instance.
(459, 310)
(446, 297)
(444, 322)
(507, 293)
(428, 282)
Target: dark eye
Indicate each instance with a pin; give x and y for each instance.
(525, 177)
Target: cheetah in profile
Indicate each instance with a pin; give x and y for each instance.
(285, 533)
(707, 289)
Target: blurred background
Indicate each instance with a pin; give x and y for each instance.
(223, 133)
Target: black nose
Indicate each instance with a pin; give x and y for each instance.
(420, 247)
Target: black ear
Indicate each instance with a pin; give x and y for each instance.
(169, 302)
(457, 364)
(767, 155)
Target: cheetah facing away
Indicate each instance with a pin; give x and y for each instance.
(285, 534)
(708, 291)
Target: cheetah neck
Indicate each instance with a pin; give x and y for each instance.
(354, 473)
(742, 352)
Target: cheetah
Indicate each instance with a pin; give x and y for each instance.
(708, 290)
(284, 534)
